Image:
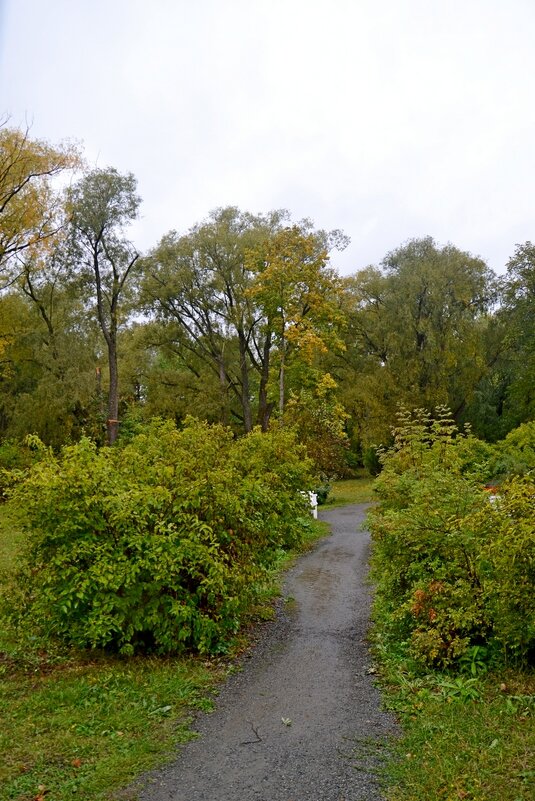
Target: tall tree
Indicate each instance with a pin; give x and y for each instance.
(298, 296)
(47, 366)
(214, 292)
(100, 207)
(197, 284)
(517, 316)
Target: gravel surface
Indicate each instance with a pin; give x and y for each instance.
(302, 720)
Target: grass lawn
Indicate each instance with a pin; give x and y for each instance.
(90, 726)
(352, 490)
(464, 738)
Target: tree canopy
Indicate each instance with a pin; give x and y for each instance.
(30, 209)
(234, 290)
(241, 320)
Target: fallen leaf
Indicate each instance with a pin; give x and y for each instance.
(76, 763)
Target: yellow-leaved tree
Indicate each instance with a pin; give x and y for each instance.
(30, 208)
(299, 294)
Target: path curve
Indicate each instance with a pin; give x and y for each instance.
(302, 720)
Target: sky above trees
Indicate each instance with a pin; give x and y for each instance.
(388, 120)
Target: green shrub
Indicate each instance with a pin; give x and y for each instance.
(508, 567)
(371, 460)
(452, 570)
(322, 491)
(475, 457)
(158, 544)
(15, 459)
(515, 455)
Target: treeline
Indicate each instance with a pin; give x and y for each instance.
(242, 320)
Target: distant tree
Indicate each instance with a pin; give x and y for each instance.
(319, 419)
(47, 371)
(517, 316)
(156, 383)
(416, 333)
(486, 410)
(100, 206)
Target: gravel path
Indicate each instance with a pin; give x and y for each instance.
(301, 721)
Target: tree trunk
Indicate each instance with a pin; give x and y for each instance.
(223, 383)
(245, 391)
(265, 408)
(112, 423)
(100, 394)
(281, 382)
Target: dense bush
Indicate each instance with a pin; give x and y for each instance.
(507, 566)
(322, 490)
(371, 460)
(157, 544)
(17, 457)
(515, 455)
(452, 569)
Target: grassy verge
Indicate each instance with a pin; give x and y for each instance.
(353, 490)
(91, 727)
(90, 723)
(464, 737)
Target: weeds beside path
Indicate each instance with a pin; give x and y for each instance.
(463, 739)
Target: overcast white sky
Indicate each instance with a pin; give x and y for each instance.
(390, 119)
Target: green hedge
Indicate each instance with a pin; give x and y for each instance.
(157, 544)
(454, 567)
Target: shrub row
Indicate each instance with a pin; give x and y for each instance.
(454, 566)
(157, 544)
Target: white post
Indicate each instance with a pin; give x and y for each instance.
(313, 500)
(313, 504)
